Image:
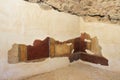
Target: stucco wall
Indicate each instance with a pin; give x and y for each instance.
(23, 22)
(109, 40)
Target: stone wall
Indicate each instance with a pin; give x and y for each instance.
(97, 10)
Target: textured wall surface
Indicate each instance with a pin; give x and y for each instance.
(97, 10)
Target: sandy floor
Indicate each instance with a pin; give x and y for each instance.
(77, 71)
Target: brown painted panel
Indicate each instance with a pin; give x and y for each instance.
(52, 48)
(79, 45)
(38, 51)
(89, 58)
(94, 59)
(37, 42)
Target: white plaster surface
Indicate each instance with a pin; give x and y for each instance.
(77, 71)
(23, 22)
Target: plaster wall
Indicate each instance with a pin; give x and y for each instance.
(23, 22)
(109, 40)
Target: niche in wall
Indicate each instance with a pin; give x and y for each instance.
(83, 47)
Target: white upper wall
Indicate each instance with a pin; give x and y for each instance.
(23, 22)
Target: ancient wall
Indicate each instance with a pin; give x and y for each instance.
(97, 10)
(23, 22)
(108, 37)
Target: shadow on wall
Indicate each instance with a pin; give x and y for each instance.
(83, 47)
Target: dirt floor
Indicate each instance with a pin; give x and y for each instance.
(77, 71)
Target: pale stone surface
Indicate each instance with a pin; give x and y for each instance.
(13, 56)
(45, 6)
(52, 47)
(97, 10)
(62, 50)
(18, 53)
(89, 52)
(33, 0)
(95, 47)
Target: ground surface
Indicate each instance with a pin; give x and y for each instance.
(78, 71)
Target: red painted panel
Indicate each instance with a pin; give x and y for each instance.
(39, 50)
